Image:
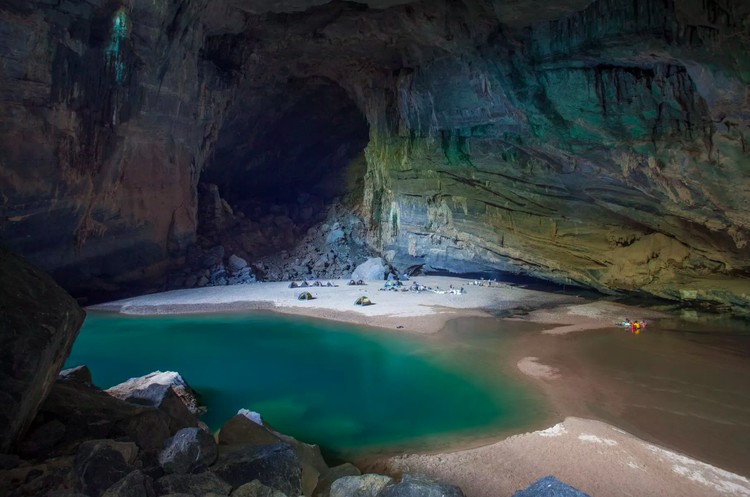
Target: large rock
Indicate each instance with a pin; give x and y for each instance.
(420, 486)
(330, 475)
(166, 391)
(549, 486)
(193, 484)
(81, 374)
(240, 430)
(89, 413)
(369, 485)
(153, 390)
(38, 324)
(372, 269)
(187, 450)
(256, 489)
(135, 484)
(276, 466)
(99, 464)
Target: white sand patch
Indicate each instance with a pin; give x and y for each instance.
(532, 367)
(586, 437)
(705, 474)
(553, 431)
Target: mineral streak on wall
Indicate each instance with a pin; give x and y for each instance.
(599, 143)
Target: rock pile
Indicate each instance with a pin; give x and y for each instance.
(88, 442)
(330, 249)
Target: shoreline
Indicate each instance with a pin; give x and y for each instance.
(511, 463)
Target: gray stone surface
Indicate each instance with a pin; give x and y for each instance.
(371, 269)
(99, 464)
(194, 484)
(256, 489)
(187, 450)
(276, 466)
(135, 484)
(38, 323)
(420, 486)
(549, 486)
(81, 374)
(367, 485)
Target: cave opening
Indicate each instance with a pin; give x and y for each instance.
(284, 157)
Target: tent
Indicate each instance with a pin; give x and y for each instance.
(305, 296)
(293, 284)
(363, 300)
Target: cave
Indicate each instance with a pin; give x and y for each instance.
(183, 156)
(292, 152)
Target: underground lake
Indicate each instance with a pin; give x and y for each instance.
(352, 390)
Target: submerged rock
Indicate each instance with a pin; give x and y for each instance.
(38, 323)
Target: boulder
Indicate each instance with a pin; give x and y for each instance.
(332, 474)
(368, 485)
(187, 450)
(152, 388)
(166, 391)
(81, 374)
(42, 439)
(549, 486)
(236, 263)
(89, 413)
(99, 464)
(311, 462)
(241, 430)
(193, 484)
(135, 484)
(420, 486)
(256, 489)
(371, 269)
(276, 466)
(38, 323)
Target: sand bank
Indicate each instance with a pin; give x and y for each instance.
(594, 457)
(425, 312)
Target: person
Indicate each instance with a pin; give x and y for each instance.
(632, 327)
(636, 327)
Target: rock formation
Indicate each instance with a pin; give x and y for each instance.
(601, 144)
(38, 324)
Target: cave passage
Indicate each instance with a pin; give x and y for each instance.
(290, 152)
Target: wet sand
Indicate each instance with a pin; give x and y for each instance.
(579, 377)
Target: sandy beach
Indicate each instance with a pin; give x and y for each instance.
(598, 458)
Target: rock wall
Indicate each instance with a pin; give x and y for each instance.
(108, 113)
(597, 143)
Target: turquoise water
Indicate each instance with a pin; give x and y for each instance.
(346, 388)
